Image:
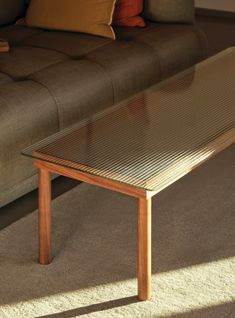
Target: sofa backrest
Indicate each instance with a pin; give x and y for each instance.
(171, 11)
(155, 10)
(10, 10)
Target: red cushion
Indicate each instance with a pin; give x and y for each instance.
(127, 13)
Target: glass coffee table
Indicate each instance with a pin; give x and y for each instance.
(142, 145)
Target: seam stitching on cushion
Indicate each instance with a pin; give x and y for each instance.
(66, 54)
(26, 77)
(53, 97)
(25, 179)
(5, 73)
(103, 68)
(158, 60)
(45, 68)
(161, 68)
(44, 48)
(104, 71)
(28, 37)
(204, 50)
(81, 56)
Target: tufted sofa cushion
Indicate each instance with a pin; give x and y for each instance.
(28, 113)
(51, 79)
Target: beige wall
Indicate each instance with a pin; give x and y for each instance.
(225, 5)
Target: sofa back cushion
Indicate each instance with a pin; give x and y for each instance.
(10, 10)
(127, 13)
(86, 16)
(179, 11)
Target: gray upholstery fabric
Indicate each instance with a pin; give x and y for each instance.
(4, 79)
(180, 11)
(170, 42)
(10, 10)
(86, 90)
(28, 114)
(23, 61)
(131, 66)
(67, 43)
(19, 188)
(16, 34)
(51, 79)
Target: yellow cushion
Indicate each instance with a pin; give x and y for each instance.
(87, 16)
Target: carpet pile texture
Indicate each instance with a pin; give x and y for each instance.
(93, 273)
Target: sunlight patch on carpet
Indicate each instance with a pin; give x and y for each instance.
(178, 291)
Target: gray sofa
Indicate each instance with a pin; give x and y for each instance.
(51, 79)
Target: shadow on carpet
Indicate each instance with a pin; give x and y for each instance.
(94, 269)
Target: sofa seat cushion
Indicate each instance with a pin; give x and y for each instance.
(86, 90)
(131, 66)
(74, 45)
(113, 69)
(171, 42)
(15, 34)
(144, 57)
(28, 114)
(4, 78)
(86, 73)
(23, 61)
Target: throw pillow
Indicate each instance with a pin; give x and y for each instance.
(127, 13)
(86, 16)
(179, 11)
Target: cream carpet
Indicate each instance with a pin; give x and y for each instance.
(93, 272)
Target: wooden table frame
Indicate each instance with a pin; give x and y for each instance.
(144, 204)
(144, 217)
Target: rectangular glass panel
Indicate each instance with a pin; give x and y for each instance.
(152, 139)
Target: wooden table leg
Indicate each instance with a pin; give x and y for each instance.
(44, 217)
(144, 249)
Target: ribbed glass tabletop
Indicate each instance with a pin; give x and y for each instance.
(154, 138)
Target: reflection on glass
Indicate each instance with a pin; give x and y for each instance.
(153, 138)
